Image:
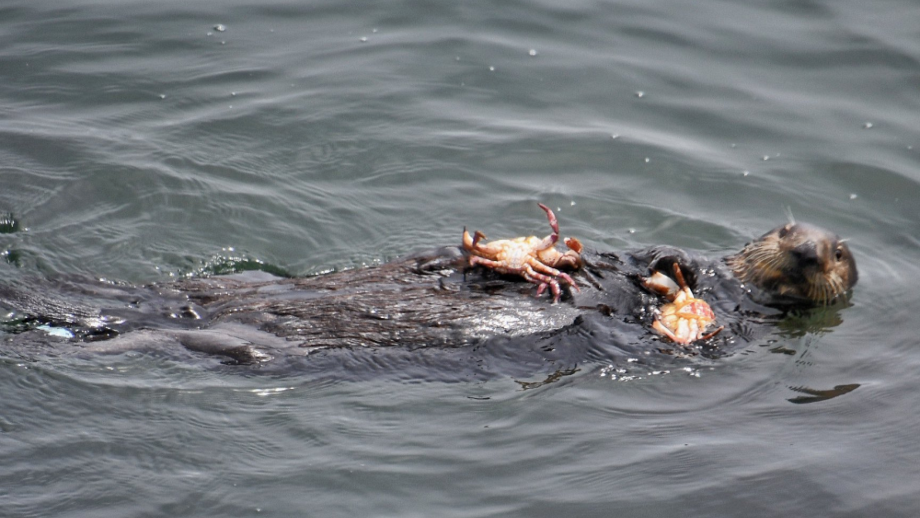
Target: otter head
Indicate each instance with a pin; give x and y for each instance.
(798, 264)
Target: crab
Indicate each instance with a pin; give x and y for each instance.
(534, 259)
(684, 320)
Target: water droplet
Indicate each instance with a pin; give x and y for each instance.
(853, 196)
(363, 39)
(647, 160)
(867, 125)
(210, 33)
(766, 157)
(491, 69)
(572, 203)
(640, 94)
(233, 94)
(910, 148)
(220, 27)
(374, 31)
(745, 173)
(223, 42)
(533, 52)
(631, 231)
(456, 58)
(162, 96)
(615, 136)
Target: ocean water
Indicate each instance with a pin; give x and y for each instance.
(142, 141)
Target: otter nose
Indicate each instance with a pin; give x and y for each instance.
(806, 254)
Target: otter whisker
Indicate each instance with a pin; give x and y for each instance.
(788, 210)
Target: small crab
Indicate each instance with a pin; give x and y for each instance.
(685, 319)
(533, 258)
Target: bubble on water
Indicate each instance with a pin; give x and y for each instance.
(853, 196)
(162, 96)
(220, 27)
(210, 33)
(868, 125)
(532, 52)
(363, 39)
(765, 158)
(640, 94)
(647, 160)
(491, 69)
(745, 173)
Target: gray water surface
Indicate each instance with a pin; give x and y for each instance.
(140, 141)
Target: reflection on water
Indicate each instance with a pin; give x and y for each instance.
(821, 395)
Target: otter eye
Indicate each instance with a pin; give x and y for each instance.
(839, 254)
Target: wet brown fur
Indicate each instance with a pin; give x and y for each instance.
(797, 262)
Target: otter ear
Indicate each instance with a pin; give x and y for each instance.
(785, 230)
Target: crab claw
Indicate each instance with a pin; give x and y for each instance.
(574, 244)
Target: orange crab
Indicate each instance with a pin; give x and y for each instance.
(684, 320)
(533, 258)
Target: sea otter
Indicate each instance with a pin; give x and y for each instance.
(433, 301)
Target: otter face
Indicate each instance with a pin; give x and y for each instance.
(797, 262)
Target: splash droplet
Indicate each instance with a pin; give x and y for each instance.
(640, 94)
(363, 39)
(868, 125)
(220, 27)
(853, 196)
(533, 52)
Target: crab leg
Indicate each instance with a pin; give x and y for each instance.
(488, 263)
(549, 270)
(538, 278)
(551, 239)
(714, 333)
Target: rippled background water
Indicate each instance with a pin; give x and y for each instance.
(144, 140)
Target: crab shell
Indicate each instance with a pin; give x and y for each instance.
(683, 320)
(533, 258)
